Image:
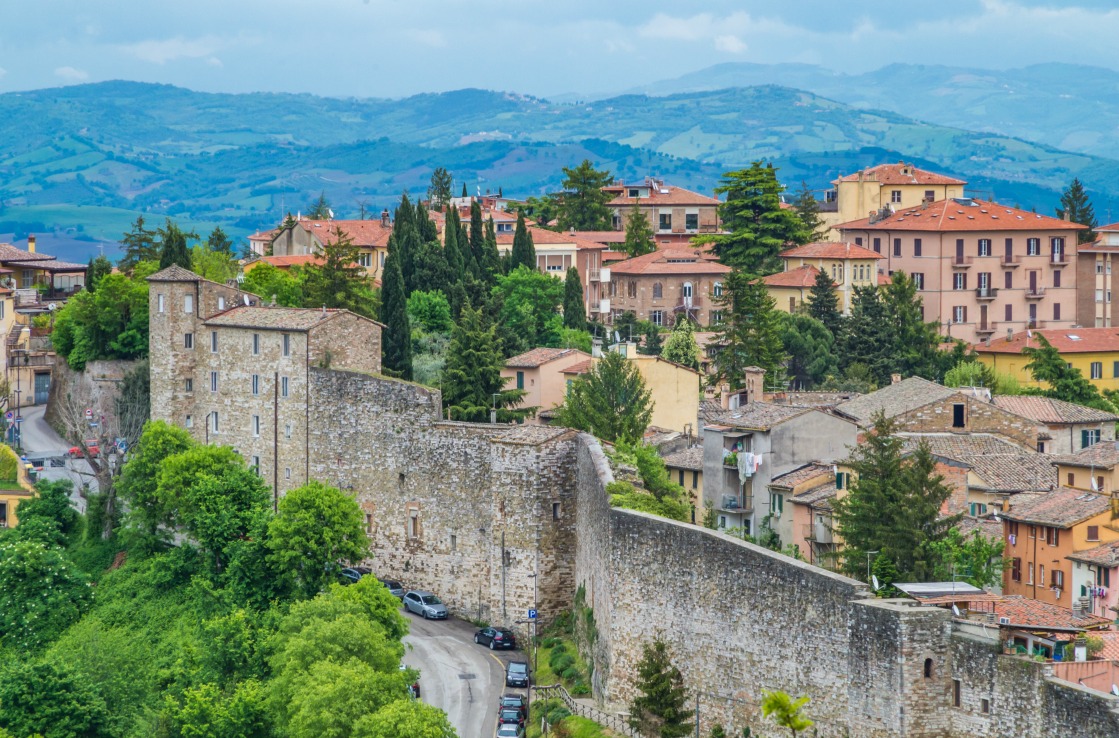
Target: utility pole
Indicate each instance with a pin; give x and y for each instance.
(868, 555)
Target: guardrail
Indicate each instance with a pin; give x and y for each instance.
(610, 720)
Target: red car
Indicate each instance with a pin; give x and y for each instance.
(76, 451)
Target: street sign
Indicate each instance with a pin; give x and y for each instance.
(532, 614)
(19, 418)
(89, 414)
(9, 415)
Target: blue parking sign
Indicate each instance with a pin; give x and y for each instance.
(532, 614)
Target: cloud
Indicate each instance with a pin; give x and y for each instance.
(428, 37)
(173, 49)
(723, 32)
(70, 74)
(730, 44)
(3, 71)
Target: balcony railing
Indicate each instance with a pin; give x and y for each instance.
(1035, 293)
(735, 503)
(961, 262)
(598, 275)
(986, 293)
(1011, 261)
(986, 328)
(23, 359)
(1059, 259)
(818, 532)
(689, 303)
(602, 306)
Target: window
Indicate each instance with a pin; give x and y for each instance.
(657, 317)
(977, 509)
(895, 196)
(287, 475)
(916, 247)
(631, 288)
(878, 245)
(1052, 536)
(959, 281)
(1090, 437)
(985, 706)
(691, 221)
(681, 477)
(254, 464)
(665, 221)
(1071, 479)
(777, 504)
(256, 384)
(984, 247)
(188, 384)
(841, 480)
(1099, 484)
(1097, 369)
(930, 195)
(1057, 247)
(188, 303)
(189, 422)
(1056, 279)
(686, 290)
(959, 415)
(918, 280)
(858, 240)
(928, 668)
(717, 289)
(959, 314)
(221, 303)
(634, 192)
(159, 301)
(695, 480)
(214, 425)
(1093, 532)
(188, 340)
(283, 386)
(956, 692)
(413, 523)
(365, 259)
(256, 425)
(520, 380)
(556, 511)
(1099, 266)
(1012, 528)
(1041, 574)
(897, 247)
(1008, 279)
(1016, 569)
(1056, 311)
(256, 344)
(1103, 577)
(286, 341)
(717, 318)
(1033, 246)
(658, 291)
(213, 342)
(1030, 572)
(287, 430)
(213, 381)
(1115, 368)
(1058, 579)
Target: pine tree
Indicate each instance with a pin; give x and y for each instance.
(139, 245)
(639, 234)
(916, 349)
(759, 227)
(477, 240)
(472, 381)
(660, 708)
(523, 250)
(574, 309)
(396, 339)
(439, 191)
(320, 209)
(750, 334)
(681, 347)
(610, 402)
(808, 210)
(811, 350)
(173, 246)
(823, 304)
(219, 242)
(583, 202)
(1061, 381)
(1076, 207)
(338, 281)
(653, 344)
(98, 269)
(868, 337)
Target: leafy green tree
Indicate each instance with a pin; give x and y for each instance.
(576, 339)
(808, 210)
(810, 348)
(868, 337)
(893, 506)
(48, 517)
(316, 527)
(46, 698)
(207, 711)
(98, 268)
(139, 245)
(660, 708)
(338, 281)
(611, 401)
(1062, 381)
(823, 304)
(574, 309)
(405, 717)
(173, 246)
(916, 348)
(222, 510)
(750, 334)
(266, 280)
(430, 311)
(639, 233)
(32, 614)
(523, 253)
(759, 227)
(530, 309)
(217, 266)
(786, 712)
(320, 209)
(653, 344)
(582, 205)
(681, 346)
(220, 243)
(972, 373)
(1076, 207)
(335, 696)
(472, 381)
(975, 559)
(542, 209)
(439, 191)
(396, 338)
(111, 323)
(139, 480)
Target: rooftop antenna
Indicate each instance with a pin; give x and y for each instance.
(955, 611)
(874, 580)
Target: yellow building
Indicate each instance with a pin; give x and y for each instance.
(849, 266)
(14, 487)
(685, 467)
(896, 186)
(1094, 351)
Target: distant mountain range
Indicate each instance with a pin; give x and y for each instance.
(78, 163)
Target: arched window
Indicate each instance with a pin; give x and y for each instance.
(632, 288)
(928, 668)
(658, 291)
(686, 290)
(717, 290)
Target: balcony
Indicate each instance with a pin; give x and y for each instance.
(1035, 293)
(688, 303)
(25, 359)
(602, 306)
(961, 262)
(1035, 324)
(819, 532)
(986, 293)
(598, 275)
(736, 504)
(1011, 262)
(986, 329)
(1059, 259)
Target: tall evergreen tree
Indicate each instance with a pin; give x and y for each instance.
(524, 253)
(653, 344)
(425, 226)
(916, 350)
(574, 309)
(868, 337)
(759, 227)
(432, 268)
(681, 347)
(99, 268)
(808, 210)
(811, 350)
(338, 281)
(465, 194)
(1076, 206)
(472, 381)
(220, 243)
(823, 304)
(583, 202)
(139, 245)
(396, 340)
(611, 401)
(458, 258)
(173, 246)
(439, 191)
(661, 707)
(477, 239)
(491, 264)
(1061, 381)
(750, 334)
(320, 209)
(406, 241)
(639, 234)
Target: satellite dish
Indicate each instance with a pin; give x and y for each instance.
(246, 298)
(874, 579)
(617, 337)
(955, 611)
(1115, 689)
(52, 307)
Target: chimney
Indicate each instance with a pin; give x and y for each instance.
(385, 218)
(895, 379)
(755, 383)
(273, 303)
(724, 396)
(31, 243)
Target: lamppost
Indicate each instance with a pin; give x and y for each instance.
(533, 619)
(868, 555)
(24, 333)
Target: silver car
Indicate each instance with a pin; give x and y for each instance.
(426, 605)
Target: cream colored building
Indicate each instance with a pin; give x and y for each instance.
(848, 264)
(539, 373)
(894, 186)
(307, 237)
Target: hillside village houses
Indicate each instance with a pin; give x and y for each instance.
(675, 214)
(892, 186)
(849, 266)
(1092, 351)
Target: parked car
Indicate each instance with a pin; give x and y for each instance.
(496, 638)
(516, 674)
(508, 730)
(511, 716)
(76, 451)
(352, 574)
(513, 701)
(426, 605)
(395, 588)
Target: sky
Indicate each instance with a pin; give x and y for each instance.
(374, 48)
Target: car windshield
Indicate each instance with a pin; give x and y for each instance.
(391, 584)
(510, 715)
(518, 668)
(431, 600)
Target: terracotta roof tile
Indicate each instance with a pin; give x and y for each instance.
(1030, 614)
(539, 356)
(1103, 455)
(819, 497)
(582, 367)
(988, 528)
(365, 233)
(290, 261)
(962, 214)
(671, 195)
(1065, 340)
(1061, 508)
(1110, 650)
(801, 474)
(1106, 555)
(670, 261)
(895, 399)
(274, 318)
(758, 415)
(175, 273)
(1050, 410)
(544, 237)
(893, 174)
(803, 276)
(689, 458)
(9, 252)
(830, 250)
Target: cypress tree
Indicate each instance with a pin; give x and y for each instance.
(574, 310)
(407, 240)
(173, 249)
(397, 336)
(477, 239)
(492, 260)
(523, 250)
(425, 226)
(464, 194)
(472, 376)
(456, 259)
(823, 304)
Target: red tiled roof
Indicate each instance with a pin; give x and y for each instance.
(1050, 410)
(893, 174)
(1061, 508)
(883, 280)
(963, 214)
(1065, 340)
(367, 233)
(1106, 555)
(544, 237)
(283, 262)
(539, 356)
(264, 235)
(605, 237)
(581, 368)
(670, 261)
(830, 250)
(673, 196)
(803, 276)
(1108, 227)
(1110, 640)
(1031, 614)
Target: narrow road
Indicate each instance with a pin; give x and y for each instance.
(458, 676)
(40, 440)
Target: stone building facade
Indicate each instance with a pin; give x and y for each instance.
(664, 286)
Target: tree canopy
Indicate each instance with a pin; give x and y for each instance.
(582, 205)
(1076, 206)
(611, 401)
(750, 334)
(639, 233)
